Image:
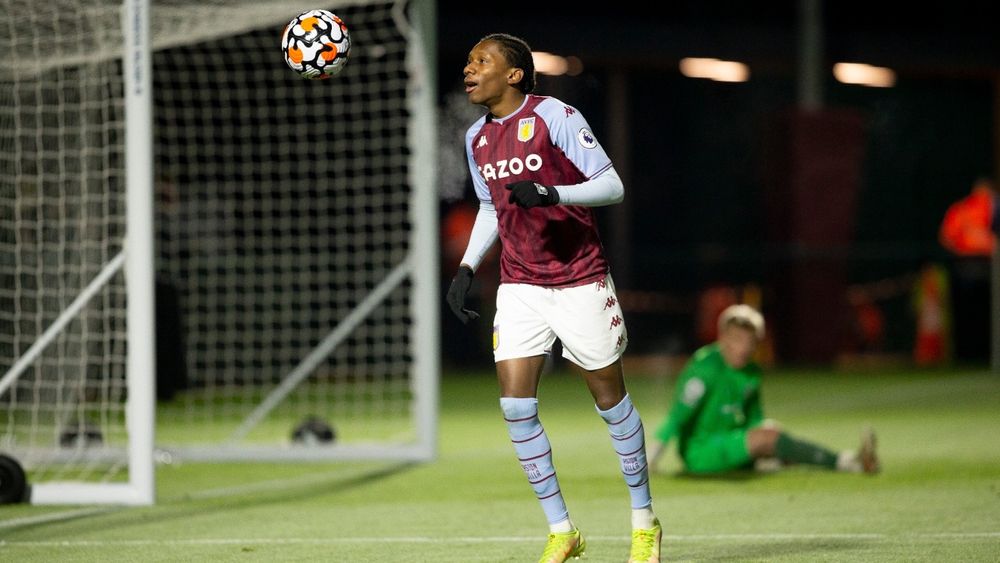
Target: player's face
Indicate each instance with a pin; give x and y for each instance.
(737, 345)
(487, 74)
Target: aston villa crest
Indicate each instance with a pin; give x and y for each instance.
(525, 129)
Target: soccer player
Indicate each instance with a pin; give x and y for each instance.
(537, 169)
(716, 415)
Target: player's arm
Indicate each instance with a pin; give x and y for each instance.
(689, 396)
(606, 189)
(485, 233)
(569, 131)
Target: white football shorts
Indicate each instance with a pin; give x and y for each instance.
(587, 320)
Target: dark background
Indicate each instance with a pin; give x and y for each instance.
(830, 213)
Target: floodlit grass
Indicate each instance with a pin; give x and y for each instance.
(938, 498)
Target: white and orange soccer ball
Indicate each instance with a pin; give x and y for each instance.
(316, 44)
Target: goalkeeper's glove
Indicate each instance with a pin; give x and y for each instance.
(457, 292)
(532, 194)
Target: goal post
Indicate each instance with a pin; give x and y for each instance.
(159, 161)
(79, 408)
(140, 319)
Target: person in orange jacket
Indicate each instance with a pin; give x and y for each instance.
(969, 230)
(970, 224)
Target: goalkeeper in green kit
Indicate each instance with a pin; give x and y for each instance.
(716, 416)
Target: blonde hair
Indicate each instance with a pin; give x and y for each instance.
(743, 316)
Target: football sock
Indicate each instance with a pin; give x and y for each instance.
(629, 441)
(849, 461)
(642, 518)
(535, 454)
(789, 449)
(561, 527)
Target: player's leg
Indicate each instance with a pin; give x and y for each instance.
(607, 386)
(589, 323)
(761, 443)
(770, 442)
(719, 452)
(520, 341)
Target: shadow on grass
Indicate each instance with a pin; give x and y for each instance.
(737, 475)
(768, 550)
(242, 497)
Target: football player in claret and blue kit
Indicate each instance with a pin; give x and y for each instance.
(538, 170)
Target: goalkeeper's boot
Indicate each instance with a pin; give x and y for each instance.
(866, 453)
(563, 546)
(646, 544)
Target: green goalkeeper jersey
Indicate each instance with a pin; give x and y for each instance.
(711, 397)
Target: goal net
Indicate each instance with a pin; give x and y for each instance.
(295, 236)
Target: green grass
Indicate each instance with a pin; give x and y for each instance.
(938, 498)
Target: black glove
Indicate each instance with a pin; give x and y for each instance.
(457, 292)
(532, 194)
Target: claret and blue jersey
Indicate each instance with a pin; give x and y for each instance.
(548, 142)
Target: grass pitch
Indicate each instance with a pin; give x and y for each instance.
(937, 499)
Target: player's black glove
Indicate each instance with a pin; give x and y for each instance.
(532, 194)
(457, 292)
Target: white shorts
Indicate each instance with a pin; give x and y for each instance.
(587, 320)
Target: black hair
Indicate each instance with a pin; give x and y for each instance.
(518, 54)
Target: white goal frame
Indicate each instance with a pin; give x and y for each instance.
(420, 267)
(136, 261)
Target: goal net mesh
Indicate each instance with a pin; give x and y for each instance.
(62, 219)
(281, 204)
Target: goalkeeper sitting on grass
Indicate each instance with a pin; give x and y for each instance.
(717, 419)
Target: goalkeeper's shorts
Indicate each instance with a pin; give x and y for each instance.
(722, 451)
(587, 319)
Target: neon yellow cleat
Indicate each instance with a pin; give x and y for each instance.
(562, 546)
(646, 544)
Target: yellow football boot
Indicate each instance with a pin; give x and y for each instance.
(562, 546)
(646, 544)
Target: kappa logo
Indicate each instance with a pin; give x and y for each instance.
(569, 111)
(482, 142)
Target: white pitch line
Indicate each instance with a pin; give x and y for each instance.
(485, 539)
(53, 517)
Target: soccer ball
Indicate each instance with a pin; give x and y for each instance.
(316, 44)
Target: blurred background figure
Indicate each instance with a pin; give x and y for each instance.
(717, 419)
(932, 308)
(463, 345)
(171, 354)
(968, 230)
(970, 224)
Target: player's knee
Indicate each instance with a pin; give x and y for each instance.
(771, 423)
(762, 442)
